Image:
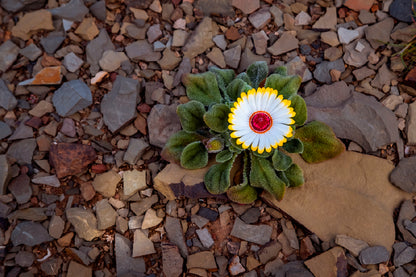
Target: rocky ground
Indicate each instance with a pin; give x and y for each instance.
(88, 94)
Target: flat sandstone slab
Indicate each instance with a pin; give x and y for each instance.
(349, 195)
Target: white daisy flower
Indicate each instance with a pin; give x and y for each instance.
(261, 120)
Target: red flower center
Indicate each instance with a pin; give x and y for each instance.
(260, 122)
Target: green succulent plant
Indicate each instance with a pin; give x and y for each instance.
(244, 127)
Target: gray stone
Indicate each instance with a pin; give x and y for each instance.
(84, 222)
(374, 255)
(99, 10)
(346, 36)
(72, 62)
(18, 5)
(251, 215)
(321, 72)
(142, 50)
(215, 7)
(248, 57)
(269, 252)
(96, 48)
(404, 34)
(174, 233)
(32, 52)
(135, 32)
(354, 116)
(403, 254)
(162, 123)
(260, 42)
(135, 150)
(384, 77)
(78, 270)
(133, 181)
(232, 56)
(179, 38)
(7, 99)
(51, 266)
(158, 46)
(119, 106)
(142, 245)
(112, 60)
(302, 19)
(52, 41)
(22, 151)
(21, 189)
(332, 53)
(29, 233)
(8, 54)
(357, 58)
(184, 68)
(142, 206)
(219, 41)
(379, 33)
(72, 97)
(169, 61)
(260, 18)
(297, 67)
(217, 57)
(402, 10)
(200, 39)
(75, 10)
(404, 175)
(4, 174)
(411, 124)
(363, 73)
(22, 131)
(56, 226)
(126, 264)
(172, 260)
(259, 234)
(406, 227)
(5, 130)
(106, 215)
(287, 42)
(154, 33)
(351, 244)
(205, 237)
(277, 15)
(24, 258)
(51, 180)
(366, 17)
(327, 21)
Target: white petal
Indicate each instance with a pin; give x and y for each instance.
(248, 139)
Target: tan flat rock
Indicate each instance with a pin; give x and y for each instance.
(33, 22)
(328, 264)
(349, 195)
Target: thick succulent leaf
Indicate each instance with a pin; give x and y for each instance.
(223, 156)
(236, 87)
(282, 176)
(319, 141)
(216, 117)
(191, 115)
(285, 85)
(281, 70)
(294, 174)
(281, 161)
(262, 175)
(173, 149)
(203, 88)
(293, 146)
(243, 193)
(257, 72)
(224, 77)
(194, 156)
(217, 180)
(243, 76)
(299, 106)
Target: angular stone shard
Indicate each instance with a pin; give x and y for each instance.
(404, 175)
(201, 38)
(172, 260)
(352, 197)
(142, 50)
(259, 234)
(354, 116)
(8, 54)
(7, 99)
(4, 174)
(96, 48)
(162, 123)
(106, 183)
(330, 263)
(30, 233)
(287, 42)
(142, 245)
(47, 76)
(18, 5)
(70, 158)
(72, 97)
(33, 22)
(119, 106)
(126, 264)
(75, 10)
(84, 222)
(22, 151)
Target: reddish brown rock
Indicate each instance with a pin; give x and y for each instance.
(48, 76)
(172, 260)
(358, 5)
(411, 77)
(232, 33)
(70, 158)
(87, 191)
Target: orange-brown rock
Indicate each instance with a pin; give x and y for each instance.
(48, 76)
(70, 158)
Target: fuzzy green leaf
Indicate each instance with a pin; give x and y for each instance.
(243, 76)
(223, 156)
(285, 85)
(282, 176)
(281, 161)
(262, 175)
(203, 88)
(281, 70)
(293, 146)
(299, 106)
(265, 154)
(257, 72)
(191, 115)
(217, 180)
(234, 147)
(224, 77)
(236, 87)
(294, 174)
(216, 117)
(173, 149)
(194, 156)
(243, 193)
(319, 141)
